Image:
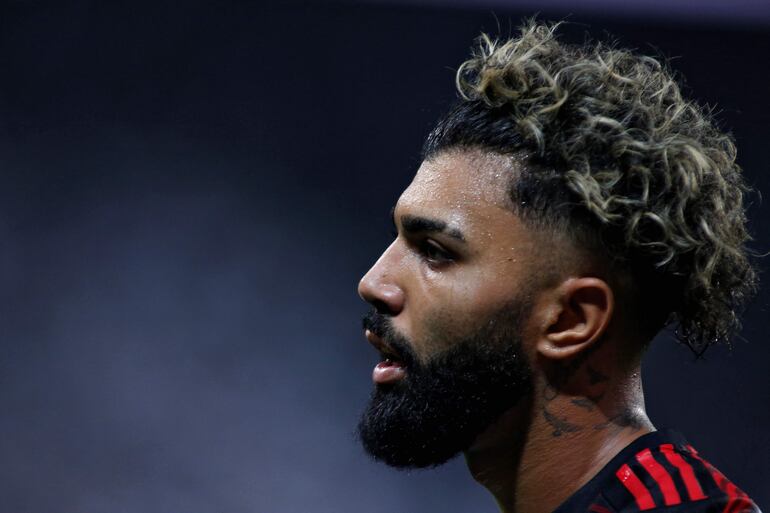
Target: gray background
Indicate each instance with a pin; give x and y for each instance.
(189, 194)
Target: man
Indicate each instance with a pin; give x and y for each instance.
(569, 207)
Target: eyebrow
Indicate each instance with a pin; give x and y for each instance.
(419, 224)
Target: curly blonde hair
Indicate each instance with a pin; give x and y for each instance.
(615, 151)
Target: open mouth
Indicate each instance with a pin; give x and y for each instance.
(391, 369)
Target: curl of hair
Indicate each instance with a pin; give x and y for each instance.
(646, 164)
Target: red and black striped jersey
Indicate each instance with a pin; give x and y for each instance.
(659, 471)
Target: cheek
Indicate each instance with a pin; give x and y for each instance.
(477, 289)
(452, 305)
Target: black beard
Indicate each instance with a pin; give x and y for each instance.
(440, 408)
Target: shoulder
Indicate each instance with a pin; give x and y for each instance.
(662, 472)
(674, 477)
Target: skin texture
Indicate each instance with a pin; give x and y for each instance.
(586, 402)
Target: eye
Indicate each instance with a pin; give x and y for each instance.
(434, 253)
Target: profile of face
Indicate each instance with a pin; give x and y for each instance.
(451, 297)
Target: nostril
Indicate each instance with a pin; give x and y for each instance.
(382, 307)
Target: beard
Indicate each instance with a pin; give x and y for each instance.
(440, 407)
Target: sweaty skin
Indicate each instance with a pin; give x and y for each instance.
(460, 253)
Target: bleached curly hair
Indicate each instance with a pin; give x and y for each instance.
(620, 162)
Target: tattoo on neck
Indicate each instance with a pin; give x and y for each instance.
(560, 425)
(588, 402)
(563, 373)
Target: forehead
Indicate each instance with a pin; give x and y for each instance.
(461, 185)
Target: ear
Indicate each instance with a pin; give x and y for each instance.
(577, 314)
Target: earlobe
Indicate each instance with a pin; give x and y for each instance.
(579, 313)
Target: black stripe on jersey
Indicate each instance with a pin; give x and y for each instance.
(703, 475)
(648, 481)
(676, 477)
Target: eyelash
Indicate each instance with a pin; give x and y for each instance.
(430, 251)
(434, 254)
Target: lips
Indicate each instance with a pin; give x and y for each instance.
(385, 350)
(390, 369)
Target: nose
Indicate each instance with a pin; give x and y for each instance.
(379, 287)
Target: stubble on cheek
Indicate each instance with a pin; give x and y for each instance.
(440, 332)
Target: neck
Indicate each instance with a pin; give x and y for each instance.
(539, 453)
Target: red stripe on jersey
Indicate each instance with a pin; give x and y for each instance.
(660, 475)
(737, 499)
(740, 505)
(694, 489)
(598, 508)
(636, 487)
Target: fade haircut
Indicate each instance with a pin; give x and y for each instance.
(618, 161)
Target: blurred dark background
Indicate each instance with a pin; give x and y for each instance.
(189, 194)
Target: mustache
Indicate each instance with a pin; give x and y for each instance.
(382, 326)
(377, 323)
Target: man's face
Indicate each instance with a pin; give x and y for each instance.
(451, 297)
